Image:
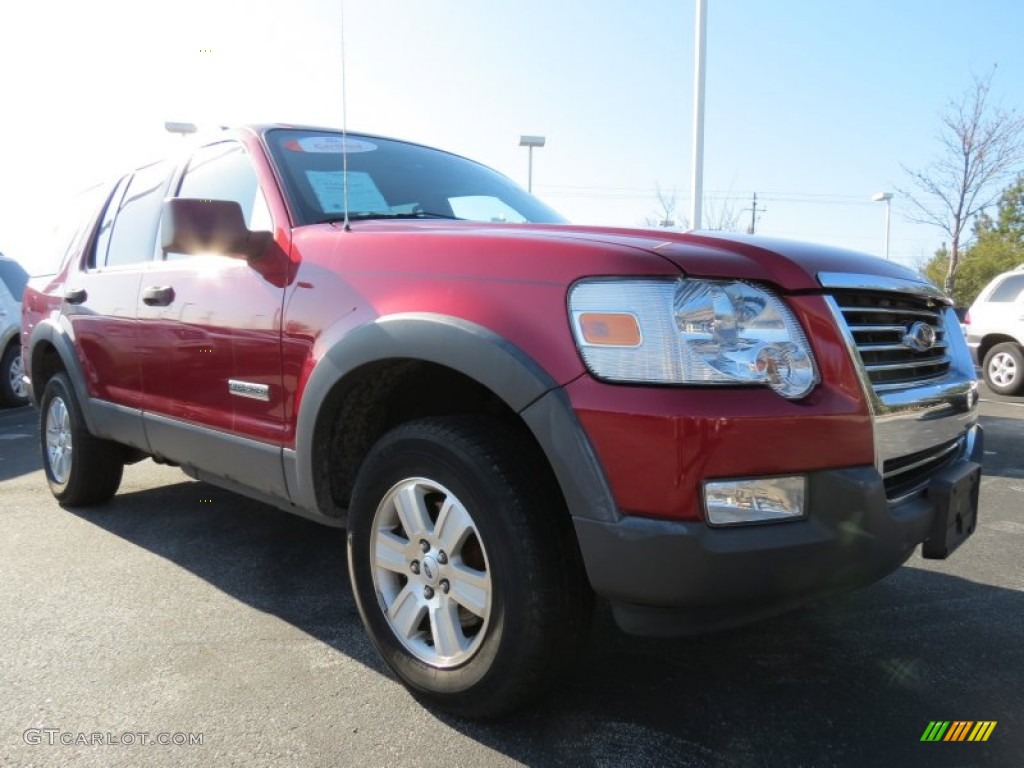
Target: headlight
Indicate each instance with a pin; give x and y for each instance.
(691, 331)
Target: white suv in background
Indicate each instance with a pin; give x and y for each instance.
(13, 390)
(995, 332)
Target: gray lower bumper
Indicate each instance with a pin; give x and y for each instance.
(674, 578)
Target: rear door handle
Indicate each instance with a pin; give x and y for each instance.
(157, 295)
(75, 295)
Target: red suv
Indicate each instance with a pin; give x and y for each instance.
(507, 413)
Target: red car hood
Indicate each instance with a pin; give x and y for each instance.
(791, 265)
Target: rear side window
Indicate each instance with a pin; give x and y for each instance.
(76, 230)
(14, 277)
(133, 238)
(98, 257)
(1009, 289)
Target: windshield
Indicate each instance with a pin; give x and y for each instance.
(392, 179)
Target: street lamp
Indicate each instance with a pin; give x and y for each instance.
(531, 142)
(885, 197)
(184, 129)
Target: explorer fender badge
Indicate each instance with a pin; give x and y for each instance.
(249, 389)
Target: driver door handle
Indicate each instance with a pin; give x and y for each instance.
(157, 295)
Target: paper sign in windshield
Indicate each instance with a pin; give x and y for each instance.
(329, 145)
(363, 195)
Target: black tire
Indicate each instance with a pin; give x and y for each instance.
(518, 539)
(12, 391)
(1003, 369)
(81, 469)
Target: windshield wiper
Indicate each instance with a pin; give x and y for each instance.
(371, 215)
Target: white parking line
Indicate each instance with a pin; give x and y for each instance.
(1003, 402)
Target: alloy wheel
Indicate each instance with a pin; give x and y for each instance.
(430, 572)
(58, 440)
(16, 378)
(1002, 369)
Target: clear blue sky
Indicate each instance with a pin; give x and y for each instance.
(814, 105)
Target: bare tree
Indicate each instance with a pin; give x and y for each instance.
(720, 214)
(981, 146)
(666, 214)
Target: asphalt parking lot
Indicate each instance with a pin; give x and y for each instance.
(184, 612)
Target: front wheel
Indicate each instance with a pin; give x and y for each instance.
(463, 565)
(80, 469)
(1003, 369)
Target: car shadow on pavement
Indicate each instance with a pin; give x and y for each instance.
(1004, 441)
(273, 561)
(19, 442)
(853, 680)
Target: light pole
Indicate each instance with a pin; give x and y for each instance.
(184, 129)
(885, 197)
(697, 168)
(531, 142)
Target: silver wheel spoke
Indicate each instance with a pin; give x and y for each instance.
(58, 440)
(406, 612)
(429, 595)
(390, 552)
(17, 371)
(1003, 369)
(453, 525)
(445, 628)
(412, 511)
(470, 588)
(65, 462)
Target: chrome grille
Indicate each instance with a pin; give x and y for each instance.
(880, 324)
(907, 474)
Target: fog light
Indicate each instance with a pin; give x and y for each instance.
(754, 500)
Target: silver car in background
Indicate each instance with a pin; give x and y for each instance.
(995, 332)
(13, 389)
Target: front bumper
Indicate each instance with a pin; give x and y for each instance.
(974, 346)
(678, 578)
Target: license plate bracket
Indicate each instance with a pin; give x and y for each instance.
(954, 492)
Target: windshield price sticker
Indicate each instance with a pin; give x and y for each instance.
(329, 145)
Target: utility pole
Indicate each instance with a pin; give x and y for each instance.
(753, 215)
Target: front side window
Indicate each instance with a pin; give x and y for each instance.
(223, 171)
(392, 180)
(133, 237)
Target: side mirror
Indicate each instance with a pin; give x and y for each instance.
(209, 226)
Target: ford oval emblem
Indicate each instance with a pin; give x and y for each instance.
(920, 337)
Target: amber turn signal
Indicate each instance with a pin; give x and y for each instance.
(618, 329)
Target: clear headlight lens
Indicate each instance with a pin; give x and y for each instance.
(691, 331)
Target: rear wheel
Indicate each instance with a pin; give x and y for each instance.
(463, 565)
(13, 390)
(1003, 369)
(80, 469)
